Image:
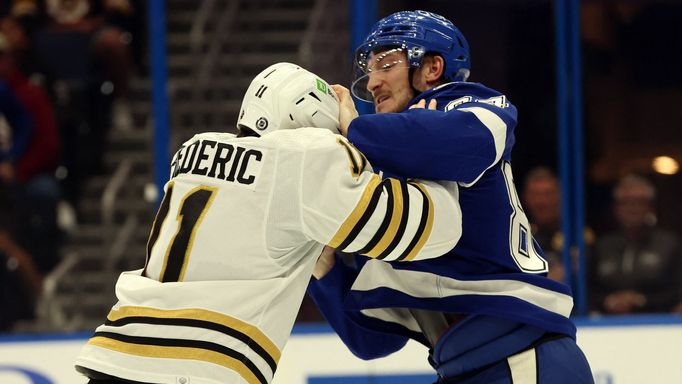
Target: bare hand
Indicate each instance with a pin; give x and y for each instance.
(325, 262)
(422, 104)
(347, 111)
(122, 6)
(678, 308)
(6, 172)
(624, 302)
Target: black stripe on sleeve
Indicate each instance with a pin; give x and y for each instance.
(422, 225)
(384, 224)
(403, 222)
(371, 207)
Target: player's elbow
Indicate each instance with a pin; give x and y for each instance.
(445, 231)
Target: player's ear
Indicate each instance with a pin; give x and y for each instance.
(429, 73)
(434, 66)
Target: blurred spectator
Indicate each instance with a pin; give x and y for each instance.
(542, 200)
(91, 21)
(42, 148)
(20, 278)
(34, 168)
(85, 65)
(15, 132)
(637, 268)
(18, 33)
(130, 17)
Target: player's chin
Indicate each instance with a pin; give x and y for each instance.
(385, 106)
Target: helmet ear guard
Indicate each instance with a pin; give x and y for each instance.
(416, 33)
(286, 96)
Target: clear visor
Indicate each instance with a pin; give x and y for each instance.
(375, 63)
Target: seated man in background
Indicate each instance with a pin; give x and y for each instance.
(239, 230)
(638, 267)
(542, 199)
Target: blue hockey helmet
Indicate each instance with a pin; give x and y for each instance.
(417, 33)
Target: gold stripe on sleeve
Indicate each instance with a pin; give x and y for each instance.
(429, 223)
(396, 216)
(357, 213)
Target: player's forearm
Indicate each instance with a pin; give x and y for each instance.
(426, 144)
(325, 262)
(329, 294)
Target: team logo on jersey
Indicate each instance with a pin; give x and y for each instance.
(498, 101)
(262, 123)
(457, 102)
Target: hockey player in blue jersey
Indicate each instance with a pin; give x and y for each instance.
(486, 309)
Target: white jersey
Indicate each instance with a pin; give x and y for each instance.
(233, 246)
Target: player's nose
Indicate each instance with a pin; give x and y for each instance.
(373, 84)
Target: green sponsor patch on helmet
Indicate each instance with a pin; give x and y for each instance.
(321, 85)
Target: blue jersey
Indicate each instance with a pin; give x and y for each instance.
(19, 121)
(496, 270)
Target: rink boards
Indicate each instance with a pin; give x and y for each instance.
(620, 351)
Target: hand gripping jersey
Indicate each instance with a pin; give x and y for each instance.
(496, 270)
(233, 246)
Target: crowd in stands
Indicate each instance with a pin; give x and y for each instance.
(637, 267)
(65, 66)
(634, 267)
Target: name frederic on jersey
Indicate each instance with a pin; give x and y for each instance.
(219, 160)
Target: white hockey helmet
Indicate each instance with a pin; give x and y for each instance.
(286, 96)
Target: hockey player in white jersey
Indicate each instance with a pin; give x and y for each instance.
(241, 225)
